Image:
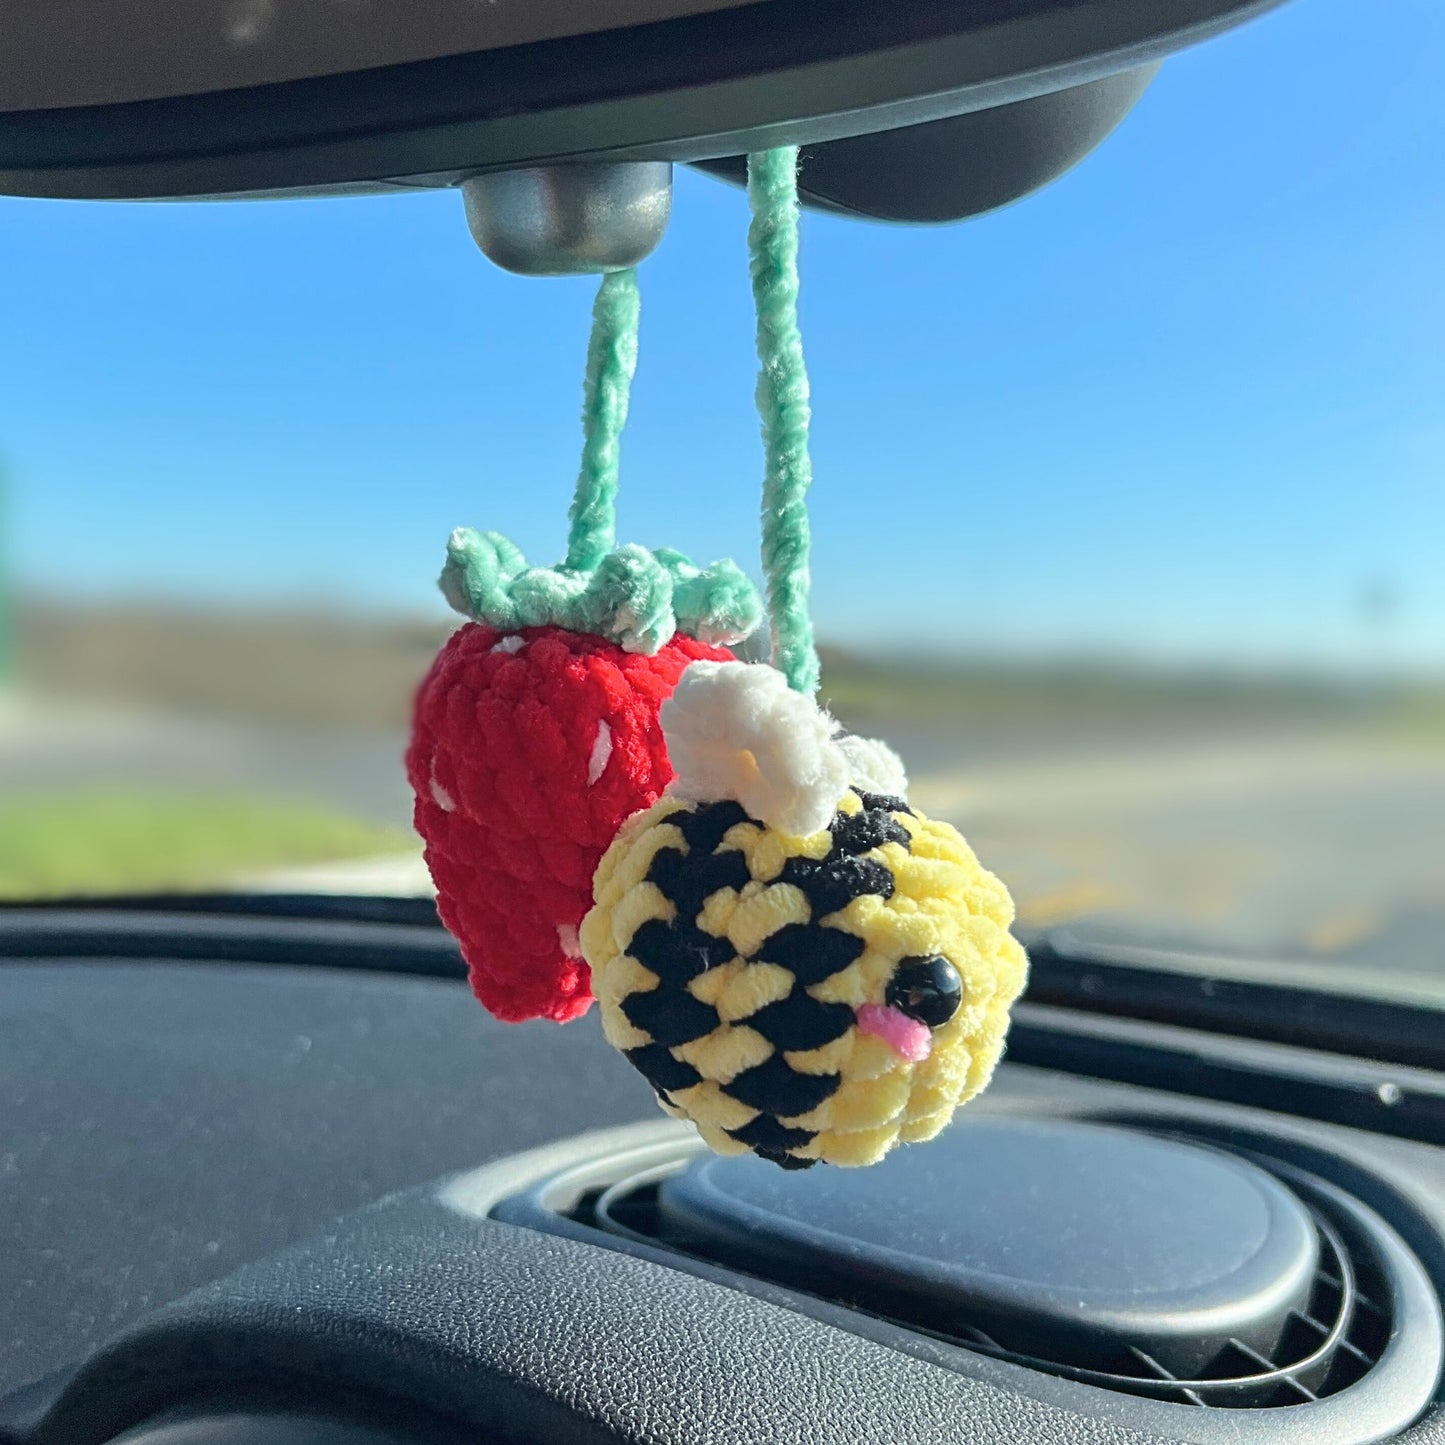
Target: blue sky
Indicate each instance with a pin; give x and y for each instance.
(1186, 403)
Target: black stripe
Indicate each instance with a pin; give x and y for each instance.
(855, 833)
(810, 951)
(690, 879)
(781, 1091)
(705, 826)
(664, 1072)
(784, 1161)
(765, 1132)
(671, 1016)
(677, 953)
(801, 1022)
(834, 883)
(885, 802)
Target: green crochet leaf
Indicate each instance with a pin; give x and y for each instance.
(634, 597)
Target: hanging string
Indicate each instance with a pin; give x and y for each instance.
(784, 409)
(629, 595)
(611, 363)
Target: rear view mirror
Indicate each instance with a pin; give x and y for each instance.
(920, 110)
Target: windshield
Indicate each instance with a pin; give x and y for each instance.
(1127, 515)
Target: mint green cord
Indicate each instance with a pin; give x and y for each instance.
(611, 363)
(784, 409)
(632, 596)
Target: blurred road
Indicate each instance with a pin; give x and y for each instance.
(1322, 849)
(43, 748)
(1325, 847)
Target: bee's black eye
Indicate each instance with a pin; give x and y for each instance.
(926, 989)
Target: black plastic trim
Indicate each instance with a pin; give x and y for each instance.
(1155, 984)
(961, 166)
(342, 907)
(1199, 991)
(90, 935)
(1385, 1099)
(1084, 1036)
(272, 1417)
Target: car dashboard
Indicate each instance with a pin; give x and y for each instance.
(269, 1173)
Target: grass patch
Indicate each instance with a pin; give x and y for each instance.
(1422, 721)
(75, 844)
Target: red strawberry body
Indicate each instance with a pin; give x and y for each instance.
(529, 750)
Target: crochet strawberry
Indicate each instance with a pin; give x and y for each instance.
(536, 734)
(529, 751)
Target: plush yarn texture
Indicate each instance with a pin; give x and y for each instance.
(760, 981)
(874, 767)
(606, 395)
(784, 409)
(529, 749)
(737, 730)
(635, 596)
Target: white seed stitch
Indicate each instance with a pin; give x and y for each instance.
(601, 752)
(441, 797)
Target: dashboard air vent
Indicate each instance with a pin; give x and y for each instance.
(1326, 1339)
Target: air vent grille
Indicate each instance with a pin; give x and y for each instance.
(1328, 1345)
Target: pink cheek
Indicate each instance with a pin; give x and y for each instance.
(908, 1038)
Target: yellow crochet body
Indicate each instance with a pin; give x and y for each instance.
(731, 961)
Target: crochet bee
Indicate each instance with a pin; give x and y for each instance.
(810, 996)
